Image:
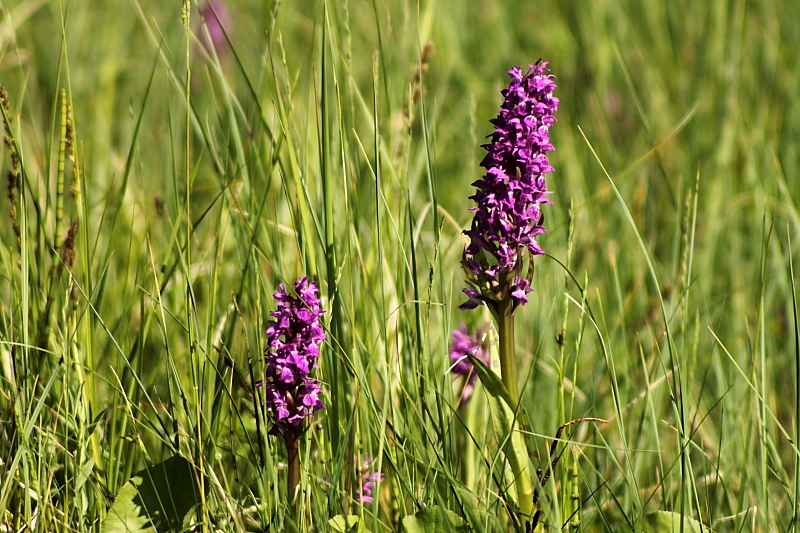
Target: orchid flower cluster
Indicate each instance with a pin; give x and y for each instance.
(294, 337)
(465, 344)
(507, 218)
(368, 477)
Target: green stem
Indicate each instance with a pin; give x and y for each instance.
(508, 369)
(293, 469)
(508, 364)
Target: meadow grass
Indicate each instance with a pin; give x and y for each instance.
(163, 193)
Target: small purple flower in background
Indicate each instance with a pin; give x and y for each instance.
(216, 18)
(294, 336)
(465, 344)
(507, 218)
(368, 478)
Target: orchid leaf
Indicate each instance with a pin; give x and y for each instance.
(159, 498)
(505, 417)
(434, 520)
(666, 522)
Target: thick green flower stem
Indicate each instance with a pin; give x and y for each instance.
(508, 369)
(465, 451)
(292, 441)
(505, 331)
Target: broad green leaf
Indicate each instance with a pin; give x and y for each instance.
(84, 473)
(475, 512)
(158, 498)
(503, 411)
(664, 522)
(434, 520)
(349, 525)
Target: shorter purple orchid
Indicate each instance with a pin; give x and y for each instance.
(368, 478)
(465, 344)
(294, 337)
(216, 18)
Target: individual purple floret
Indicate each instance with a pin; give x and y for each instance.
(216, 18)
(368, 479)
(294, 337)
(507, 218)
(465, 344)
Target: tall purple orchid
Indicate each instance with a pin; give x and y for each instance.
(507, 220)
(507, 217)
(294, 337)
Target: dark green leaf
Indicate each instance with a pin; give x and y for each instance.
(158, 498)
(496, 389)
(434, 520)
(84, 473)
(664, 522)
(507, 422)
(351, 525)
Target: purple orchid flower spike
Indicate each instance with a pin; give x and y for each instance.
(294, 337)
(507, 217)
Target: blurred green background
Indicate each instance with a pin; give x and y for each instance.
(691, 107)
